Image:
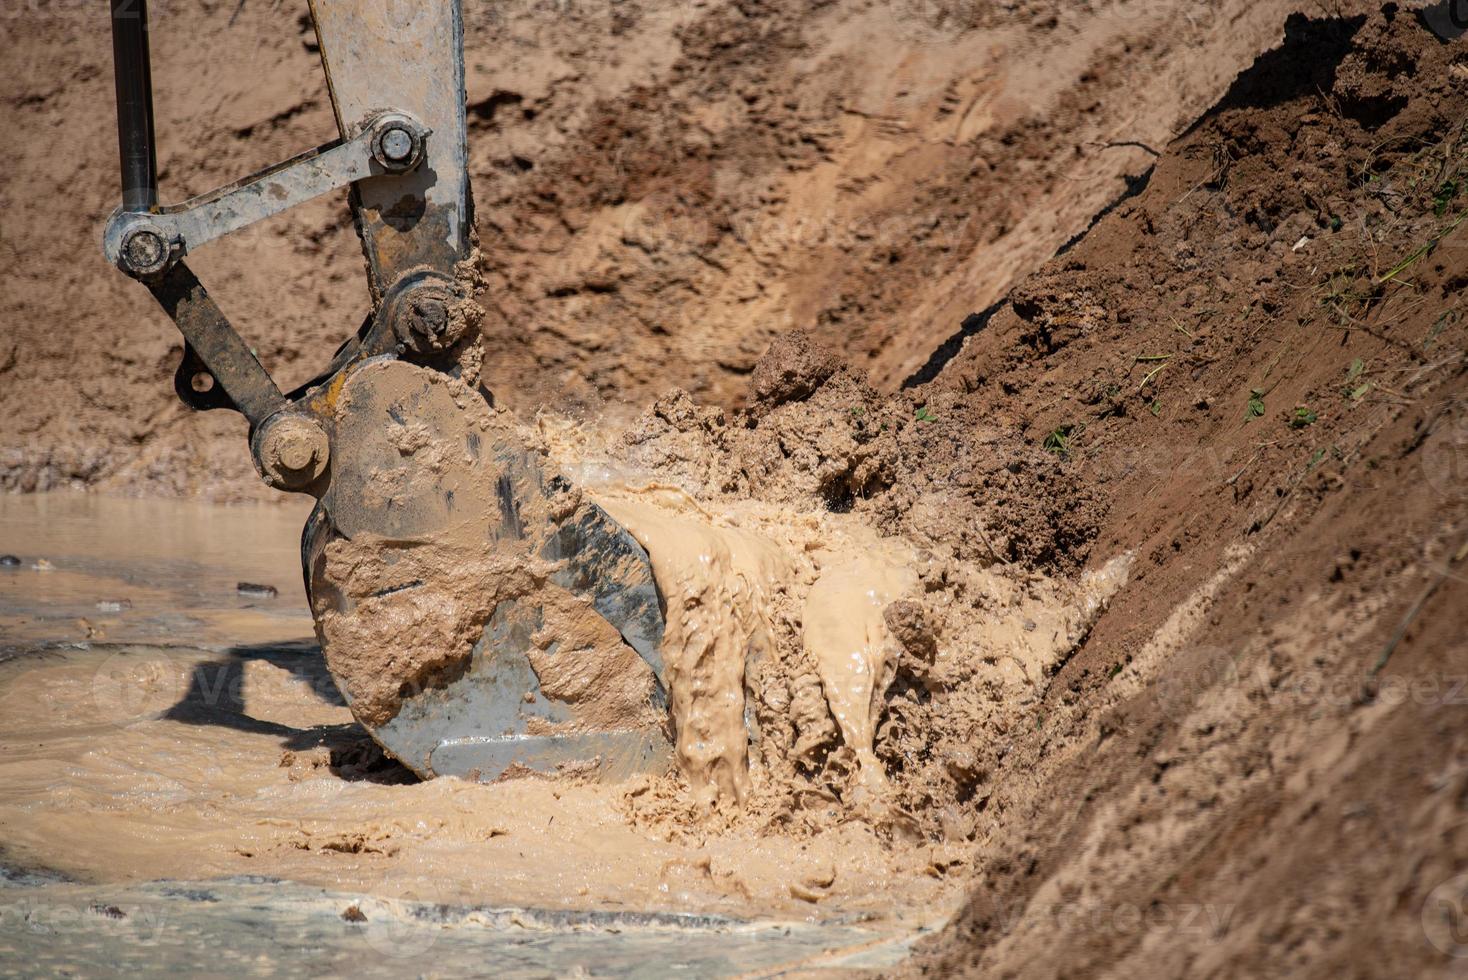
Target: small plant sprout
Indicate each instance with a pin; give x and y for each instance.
(1159, 359)
(1302, 417)
(925, 414)
(1355, 391)
(1255, 408)
(1058, 441)
(1444, 197)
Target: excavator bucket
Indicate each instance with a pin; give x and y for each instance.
(479, 614)
(481, 617)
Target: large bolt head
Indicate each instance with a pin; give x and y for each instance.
(423, 320)
(397, 144)
(293, 451)
(144, 252)
(429, 318)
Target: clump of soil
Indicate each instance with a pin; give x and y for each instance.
(791, 369)
(880, 647)
(926, 466)
(384, 638)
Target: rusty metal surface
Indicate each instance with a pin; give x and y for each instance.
(408, 54)
(230, 363)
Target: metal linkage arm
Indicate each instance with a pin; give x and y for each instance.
(146, 242)
(408, 54)
(395, 71)
(228, 360)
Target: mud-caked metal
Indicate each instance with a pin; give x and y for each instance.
(395, 73)
(292, 450)
(484, 495)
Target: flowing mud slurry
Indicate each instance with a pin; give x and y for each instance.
(831, 689)
(789, 627)
(847, 637)
(717, 584)
(720, 584)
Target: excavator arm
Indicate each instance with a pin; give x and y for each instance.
(479, 614)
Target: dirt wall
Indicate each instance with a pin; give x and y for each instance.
(662, 189)
(1257, 367)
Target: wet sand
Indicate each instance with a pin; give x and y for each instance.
(195, 735)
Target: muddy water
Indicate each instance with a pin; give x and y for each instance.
(192, 733)
(109, 570)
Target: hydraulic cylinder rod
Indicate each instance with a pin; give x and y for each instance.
(133, 74)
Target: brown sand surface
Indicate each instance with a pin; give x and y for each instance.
(661, 189)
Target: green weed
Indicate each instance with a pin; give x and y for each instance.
(1255, 407)
(1058, 441)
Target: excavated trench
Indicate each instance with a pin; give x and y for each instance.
(879, 594)
(827, 678)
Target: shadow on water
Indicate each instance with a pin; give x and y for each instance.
(217, 696)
